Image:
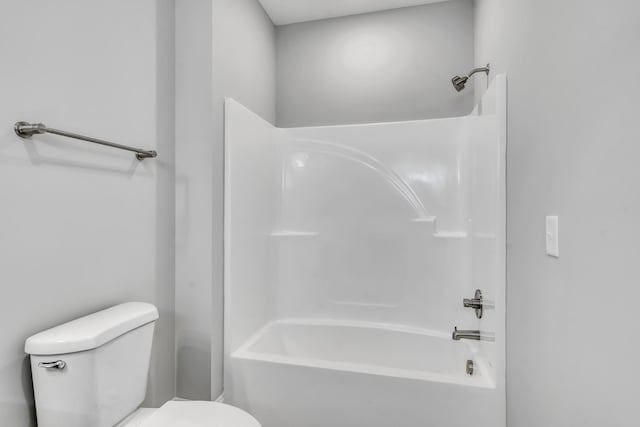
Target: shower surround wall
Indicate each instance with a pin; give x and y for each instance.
(349, 250)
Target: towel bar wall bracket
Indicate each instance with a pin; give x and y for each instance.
(26, 130)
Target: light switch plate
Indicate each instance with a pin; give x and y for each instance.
(553, 245)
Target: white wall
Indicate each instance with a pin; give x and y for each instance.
(225, 48)
(383, 66)
(83, 226)
(573, 151)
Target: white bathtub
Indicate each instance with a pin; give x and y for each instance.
(317, 373)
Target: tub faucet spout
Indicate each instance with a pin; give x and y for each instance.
(468, 335)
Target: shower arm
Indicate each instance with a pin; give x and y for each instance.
(479, 70)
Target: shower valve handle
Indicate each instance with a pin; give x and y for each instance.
(476, 303)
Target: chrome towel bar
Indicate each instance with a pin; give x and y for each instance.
(26, 129)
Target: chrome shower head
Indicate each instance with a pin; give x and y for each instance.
(459, 83)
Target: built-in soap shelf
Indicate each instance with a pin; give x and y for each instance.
(450, 234)
(294, 233)
(454, 234)
(429, 219)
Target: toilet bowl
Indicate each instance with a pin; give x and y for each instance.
(93, 372)
(191, 414)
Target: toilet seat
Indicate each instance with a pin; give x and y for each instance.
(199, 414)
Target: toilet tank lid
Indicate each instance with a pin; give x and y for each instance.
(92, 331)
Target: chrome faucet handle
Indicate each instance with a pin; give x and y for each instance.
(476, 303)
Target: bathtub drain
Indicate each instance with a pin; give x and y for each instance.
(470, 367)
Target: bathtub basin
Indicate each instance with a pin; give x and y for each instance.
(321, 373)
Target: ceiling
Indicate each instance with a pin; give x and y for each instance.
(284, 12)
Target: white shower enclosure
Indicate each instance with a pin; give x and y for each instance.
(348, 253)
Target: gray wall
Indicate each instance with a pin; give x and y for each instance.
(244, 68)
(225, 48)
(84, 227)
(573, 150)
(383, 66)
(194, 198)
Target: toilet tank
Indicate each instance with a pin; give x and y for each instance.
(92, 371)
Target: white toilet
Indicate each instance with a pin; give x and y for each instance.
(92, 372)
